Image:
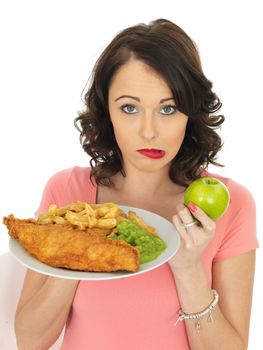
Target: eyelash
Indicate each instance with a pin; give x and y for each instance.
(127, 105)
(170, 106)
(165, 106)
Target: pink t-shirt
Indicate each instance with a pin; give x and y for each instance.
(139, 312)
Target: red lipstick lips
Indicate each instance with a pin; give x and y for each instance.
(152, 153)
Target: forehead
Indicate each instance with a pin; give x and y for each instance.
(135, 77)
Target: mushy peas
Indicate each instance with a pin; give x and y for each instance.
(149, 245)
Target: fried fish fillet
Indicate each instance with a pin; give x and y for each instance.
(63, 245)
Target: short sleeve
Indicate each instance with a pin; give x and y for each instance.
(54, 190)
(240, 235)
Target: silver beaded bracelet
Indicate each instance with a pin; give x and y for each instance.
(198, 315)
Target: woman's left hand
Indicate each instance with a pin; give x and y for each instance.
(194, 239)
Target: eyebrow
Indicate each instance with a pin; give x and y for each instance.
(137, 98)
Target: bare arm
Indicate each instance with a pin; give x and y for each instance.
(42, 310)
(233, 280)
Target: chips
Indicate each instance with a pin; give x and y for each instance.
(83, 215)
(94, 218)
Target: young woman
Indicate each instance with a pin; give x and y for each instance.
(149, 127)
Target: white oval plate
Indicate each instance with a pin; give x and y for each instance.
(164, 228)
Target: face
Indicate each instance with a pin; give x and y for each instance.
(147, 125)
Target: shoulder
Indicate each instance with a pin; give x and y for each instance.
(69, 183)
(67, 186)
(236, 230)
(240, 195)
(63, 177)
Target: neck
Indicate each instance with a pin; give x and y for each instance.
(146, 185)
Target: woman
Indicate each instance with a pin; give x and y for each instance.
(149, 128)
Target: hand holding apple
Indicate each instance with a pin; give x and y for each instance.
(209, 194)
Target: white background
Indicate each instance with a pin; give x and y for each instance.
(48, 49)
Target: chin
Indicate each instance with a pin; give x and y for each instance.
(150, 166)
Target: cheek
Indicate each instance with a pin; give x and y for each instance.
(122, 135)
(176, 136)
(123, 128)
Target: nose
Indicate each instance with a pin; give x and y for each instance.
(148, 128)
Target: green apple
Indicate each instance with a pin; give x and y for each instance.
(209, 194)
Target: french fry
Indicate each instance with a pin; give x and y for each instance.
(101, 211)
(59, 220)
(82, 221)
(100, 218)
(112, 213)
(52, 210)
(140, 222)
(106, 223)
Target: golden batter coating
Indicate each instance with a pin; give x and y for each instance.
(67, 246)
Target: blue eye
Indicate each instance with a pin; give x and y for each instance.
(128, 108)
(169, 109)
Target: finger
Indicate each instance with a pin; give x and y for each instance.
(180, 228)
(207, 223)
(184, 214)
(193, 232)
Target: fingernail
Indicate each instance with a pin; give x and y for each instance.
(192, 207)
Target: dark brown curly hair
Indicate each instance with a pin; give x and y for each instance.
(169, 51)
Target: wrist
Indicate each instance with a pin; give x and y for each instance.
(188, 271)
(200, 314)
(193, 287)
